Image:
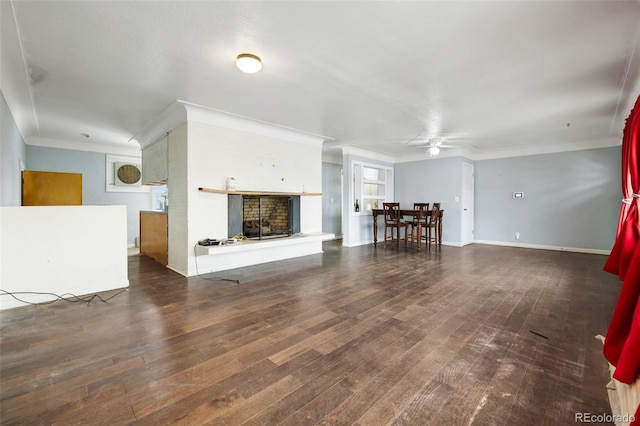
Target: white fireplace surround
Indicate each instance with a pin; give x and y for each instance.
(207, 147)
(246, 253)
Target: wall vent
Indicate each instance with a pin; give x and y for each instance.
(127, 174)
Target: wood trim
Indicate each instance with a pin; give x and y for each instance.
(224, 191)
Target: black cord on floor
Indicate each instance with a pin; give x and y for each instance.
(67, 297)
(210, 278)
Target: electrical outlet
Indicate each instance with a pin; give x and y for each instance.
(517, 235)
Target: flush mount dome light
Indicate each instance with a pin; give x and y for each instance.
(248, 63)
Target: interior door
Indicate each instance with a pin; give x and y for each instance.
(51, 188)
(467, 216)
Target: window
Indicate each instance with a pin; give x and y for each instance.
(372, 186)
(160, 197)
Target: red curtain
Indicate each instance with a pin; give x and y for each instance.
(622, 343)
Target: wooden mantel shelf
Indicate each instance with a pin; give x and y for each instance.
(224, 191)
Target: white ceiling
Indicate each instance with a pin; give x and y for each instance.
(528, 75)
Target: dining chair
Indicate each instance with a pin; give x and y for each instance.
(432, 225)
(438, 229)
(392, 220)
(424, 208)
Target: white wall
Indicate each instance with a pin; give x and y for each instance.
(62, 249)
(205, 155)
(257, 162)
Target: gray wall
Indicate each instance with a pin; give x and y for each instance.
(331, 198)
(12, 151)
(92, 165)
(572, 199)
(430, 181)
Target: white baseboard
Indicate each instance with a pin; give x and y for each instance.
(544, 247)
(364, 243)
(356, 244)
(452, 244)
(503, 243)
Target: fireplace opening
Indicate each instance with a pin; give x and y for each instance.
(263, 216)
(266, 216)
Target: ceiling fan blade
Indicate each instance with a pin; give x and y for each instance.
(418, 142)
(424, 141)
(427, 146)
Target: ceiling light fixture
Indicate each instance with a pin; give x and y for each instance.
(434, 150)
(248, 63)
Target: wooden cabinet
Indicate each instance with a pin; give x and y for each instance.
(154, 236)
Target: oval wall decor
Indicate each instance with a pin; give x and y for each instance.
(127, 174)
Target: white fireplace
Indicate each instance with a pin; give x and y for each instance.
(208, 148)
(264, 216)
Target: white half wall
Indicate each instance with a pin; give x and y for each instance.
(61, 249)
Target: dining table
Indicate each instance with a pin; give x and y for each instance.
(417, 216)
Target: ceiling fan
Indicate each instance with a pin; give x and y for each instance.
(432, 144)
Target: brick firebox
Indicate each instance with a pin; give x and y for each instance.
(266, 216)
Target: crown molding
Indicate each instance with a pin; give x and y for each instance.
(366, 153)
(15, 84)
(169, 119)
(514, 151)
(128, 150)
(182, 111)
(214, 117)
(547, 148)
(444, 153)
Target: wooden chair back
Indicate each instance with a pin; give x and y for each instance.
(435, 212)
(421, 206)
(391, 210)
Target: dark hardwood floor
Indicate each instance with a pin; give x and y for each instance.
(477, 335)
